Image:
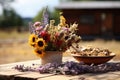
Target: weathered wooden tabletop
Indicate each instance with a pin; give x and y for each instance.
(7, 73)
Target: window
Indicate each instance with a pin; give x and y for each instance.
(87, 19)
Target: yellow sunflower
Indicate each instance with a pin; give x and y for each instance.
(32, 39)
(39, 53)
(40, 44)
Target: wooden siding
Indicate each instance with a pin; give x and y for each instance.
(84, 29)
(111, 23)
(116, 24)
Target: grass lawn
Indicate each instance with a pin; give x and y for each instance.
(14, 47)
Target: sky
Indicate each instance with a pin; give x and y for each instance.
(30, 8)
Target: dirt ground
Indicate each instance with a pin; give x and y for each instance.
(14, 49)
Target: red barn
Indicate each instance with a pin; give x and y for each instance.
(93, 17)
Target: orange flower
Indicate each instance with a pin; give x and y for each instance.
(32, 40)
(39, 53)
(40, 44)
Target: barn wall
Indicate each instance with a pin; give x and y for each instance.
(96, 24)
(116, 25)
(91, 27)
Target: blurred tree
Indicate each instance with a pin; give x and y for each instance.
(5, 4)
(39, 16)
(55, 16)
(9, 17)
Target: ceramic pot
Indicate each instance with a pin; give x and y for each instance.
(52, 57)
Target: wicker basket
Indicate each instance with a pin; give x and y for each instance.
(52, 57)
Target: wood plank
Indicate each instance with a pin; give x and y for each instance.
(26, 63)
(89, 76)
(31, 76)
(12, 72)
(6, 71)
(29, 63)
(9, 74)
(68, 77)
(57, 77)
(116, 72)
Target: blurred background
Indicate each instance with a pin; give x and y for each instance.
(99, 24)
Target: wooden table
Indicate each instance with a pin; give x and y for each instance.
(7, 73)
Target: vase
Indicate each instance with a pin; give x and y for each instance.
(52, 57)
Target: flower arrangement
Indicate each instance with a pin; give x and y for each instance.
(45, 36)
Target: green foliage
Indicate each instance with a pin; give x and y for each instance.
(55, 16)
(39, 16)
(10, 19)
